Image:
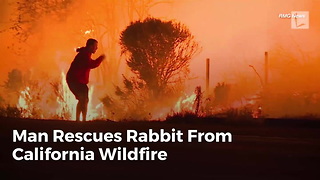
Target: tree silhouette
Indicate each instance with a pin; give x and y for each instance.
(14, 82)
(29, 12)
(158, 52)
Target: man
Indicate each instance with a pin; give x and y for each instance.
(78, 75)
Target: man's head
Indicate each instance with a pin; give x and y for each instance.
(92, 45)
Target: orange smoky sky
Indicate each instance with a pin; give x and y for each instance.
(233, 34)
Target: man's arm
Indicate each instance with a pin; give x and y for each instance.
(95, 63)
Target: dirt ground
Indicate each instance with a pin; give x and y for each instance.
(271, 149)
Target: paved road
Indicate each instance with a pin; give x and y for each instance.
(257, 151)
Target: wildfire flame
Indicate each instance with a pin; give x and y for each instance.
(66, 105)
(184, 104)
(22, 102)
(88, 31)
(95, 112)
(66, 102)
(69, 103)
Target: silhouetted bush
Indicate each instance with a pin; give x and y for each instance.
(10, 111)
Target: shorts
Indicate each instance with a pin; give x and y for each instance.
(80, 91)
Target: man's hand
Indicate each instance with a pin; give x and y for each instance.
(102, 57)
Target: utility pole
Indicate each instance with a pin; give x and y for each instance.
(266, 69)
(207, 74)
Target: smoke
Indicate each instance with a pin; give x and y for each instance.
(233, 34)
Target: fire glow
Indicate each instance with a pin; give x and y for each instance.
(66, 104)
(226, 36)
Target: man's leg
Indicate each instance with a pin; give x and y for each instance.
(74, 88)
(82, 107)
(78, 111)
(84, 110)
(85, 103)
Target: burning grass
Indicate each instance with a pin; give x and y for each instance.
(52, 99)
